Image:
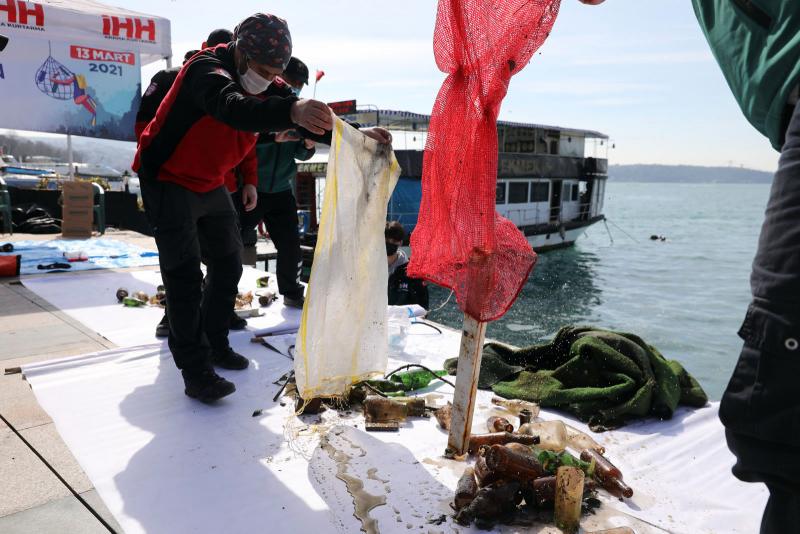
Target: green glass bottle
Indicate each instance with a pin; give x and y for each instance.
(551, 461)
(132, 302)
(416, 378)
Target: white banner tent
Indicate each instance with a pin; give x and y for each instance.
(94, 43)
(87, 20)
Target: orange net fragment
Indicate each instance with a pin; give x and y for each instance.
(460, 240)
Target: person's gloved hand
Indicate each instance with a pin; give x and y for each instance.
(381, 135)
(313, 115)
(249, 197)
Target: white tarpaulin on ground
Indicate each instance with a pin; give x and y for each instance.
(89, 297)
(164, 463)
(74, 66)
(343, 333)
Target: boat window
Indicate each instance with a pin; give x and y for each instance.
(575, 192)
(540, 192)
(518, 192)
(500, 194)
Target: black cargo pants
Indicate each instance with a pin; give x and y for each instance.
(186, 226)
(761, 405)
(279, 213)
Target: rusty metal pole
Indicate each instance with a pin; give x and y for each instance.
(469, 366)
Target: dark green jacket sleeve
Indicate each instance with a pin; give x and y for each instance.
(302, 153)
(757, 46)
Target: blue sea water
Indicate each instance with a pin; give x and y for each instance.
(686, 296)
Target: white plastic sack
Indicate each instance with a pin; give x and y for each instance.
(343, 333)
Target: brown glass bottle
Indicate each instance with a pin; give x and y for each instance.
(615, 487)
(607, 474)
(499, 424)
(525, 416)
(476, 441)
(484, 475)
(513, 466)
(379, 409)
(602, 466)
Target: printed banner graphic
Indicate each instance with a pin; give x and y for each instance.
(69, 87)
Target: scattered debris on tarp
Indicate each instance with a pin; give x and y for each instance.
(537, 478)
(520, 468)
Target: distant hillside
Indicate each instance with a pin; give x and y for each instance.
(687, 174)
(116, 154)
(22, 147)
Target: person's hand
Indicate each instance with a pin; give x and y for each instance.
(286, 135)
(309, 144)
(381, 135)
(249, 197)
(313, 115)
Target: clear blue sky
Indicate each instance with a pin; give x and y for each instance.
(638, 70)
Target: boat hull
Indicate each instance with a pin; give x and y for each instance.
(548, 237)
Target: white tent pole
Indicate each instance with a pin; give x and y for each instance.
(168, 59)
(70, 158)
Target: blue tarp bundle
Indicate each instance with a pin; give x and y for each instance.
(103, 253)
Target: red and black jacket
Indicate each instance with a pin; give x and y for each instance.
(206, 124)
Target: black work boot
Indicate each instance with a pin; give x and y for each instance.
(206, 386)
(236, 322)
(294, 302)
(162, 328)
(229, 359)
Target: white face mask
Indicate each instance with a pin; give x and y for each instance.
(252, 82)
(296, 91)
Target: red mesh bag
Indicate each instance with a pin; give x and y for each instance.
(460, 240)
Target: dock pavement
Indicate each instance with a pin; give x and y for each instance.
(43, 490)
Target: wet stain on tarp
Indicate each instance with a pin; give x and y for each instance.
(364, 502)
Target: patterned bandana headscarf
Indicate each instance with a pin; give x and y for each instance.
(265, 39)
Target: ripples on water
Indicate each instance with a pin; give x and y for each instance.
(686, 296)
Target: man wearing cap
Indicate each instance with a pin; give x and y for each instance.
(276, 203)
(206, 126)
(160, 84)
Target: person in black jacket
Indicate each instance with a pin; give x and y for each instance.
(402, 289)
(206, 125)
(159, 86)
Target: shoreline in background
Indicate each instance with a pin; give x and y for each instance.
(686, 174)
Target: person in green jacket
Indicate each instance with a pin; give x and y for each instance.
(757, 46)
(276, 205)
